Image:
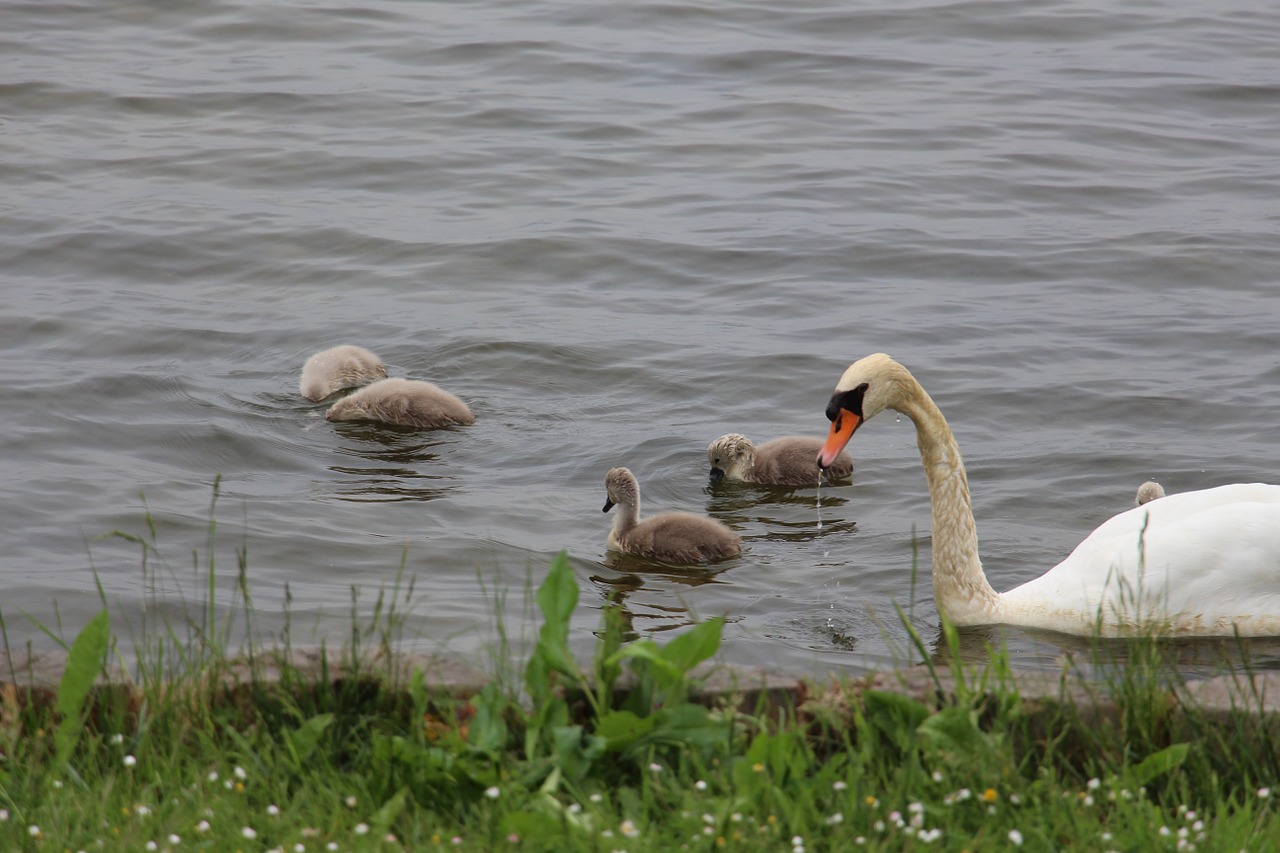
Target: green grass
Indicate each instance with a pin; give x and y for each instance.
(607, 756)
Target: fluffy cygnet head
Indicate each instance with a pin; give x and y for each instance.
(621, 489)
(1149, 491)
(731, 456)
(341, 367)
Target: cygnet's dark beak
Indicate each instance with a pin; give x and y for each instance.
(717, 474)
(608, 504)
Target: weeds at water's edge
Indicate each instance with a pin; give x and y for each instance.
(283, 750)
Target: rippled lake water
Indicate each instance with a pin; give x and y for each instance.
(618, 231)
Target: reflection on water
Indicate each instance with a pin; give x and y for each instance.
(786, 513)
(1100, 658)
(650, 592)
(400, 462)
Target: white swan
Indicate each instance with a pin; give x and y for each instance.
(786, 461)
(678, 538)
(339, 367)
(1203, 563)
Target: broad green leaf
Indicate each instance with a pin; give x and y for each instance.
(84, 664)
(695, 645)
(1157, 764)
(302, 741)
(620, 729)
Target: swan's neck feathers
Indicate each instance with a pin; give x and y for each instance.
(960, 588)
(625, 517)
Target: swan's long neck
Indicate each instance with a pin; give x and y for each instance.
(960, 588)
(626, 515)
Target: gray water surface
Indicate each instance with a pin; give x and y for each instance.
(618, 232)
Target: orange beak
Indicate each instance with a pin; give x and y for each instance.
(842, 429)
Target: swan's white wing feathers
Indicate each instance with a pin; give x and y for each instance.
(1205, 562)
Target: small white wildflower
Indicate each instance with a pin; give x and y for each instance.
(840, 785)
(240, 773)
(390, 838)
(929, 836)
(915, 808)
(4, 815)
(350, 801)
(151, 846)
(299, 848)
(655, 767)
(57, 784)
(1164, 830)
(333, 845)
(213, 776)
(937, 775)
(878, 826)
(117, 739)
(700, 785)
(492, 792)
(1105, 837)
(736, 817)
(1191, 816)
(1263, 793)
(707, 831)
(796, 841)
(361, 829)
(596, 798)
(836, 818)
(708, 818)
(1094, 783)
(174, 839)
(33, 831)
(1198, 825)
(142, 810)
(628, 829)
(202, 826)
(130, 761)
(273, 810)
(1015, 838)
(228, 784)
(574, 808)
(249, 832)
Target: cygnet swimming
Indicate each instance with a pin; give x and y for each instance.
(341, 367)
(403, 402)
(1148, 492)
(679, 538)
(788, 461)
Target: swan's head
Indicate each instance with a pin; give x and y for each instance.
(868, 387)
(621, 487)
(731, 456)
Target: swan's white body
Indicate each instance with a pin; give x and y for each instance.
(1203, 563)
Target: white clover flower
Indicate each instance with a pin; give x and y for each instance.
(655, 767)
(492, 792)
(708, 818)
(142, 810)
(928, 836)
(151, 846)
(1094, 783)
(629, 829)
(249, 832)
(117, 739)
(57, 784)
(273, 810)
(839, 785)
(130, 761)
(350, 801)
(4, 815)
(596, 798)
(213, 776)
(937, 775)
(33, 831)
(361, 829)
(299, 848)
(202, 826)
(1015, 838)
(834, 819)
(240, 773)
(1164, 831)
(174, 839)
(700, 785)
(333, 845)
(1263, 793)
(574, 808)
